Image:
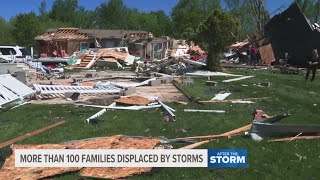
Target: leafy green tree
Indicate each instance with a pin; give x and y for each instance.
(113, 15)
(311, 9)
(165, 26)
(69, 12)
(189, 13)
(26, 27)
(217, 31)
(5, 32)
(242, 10)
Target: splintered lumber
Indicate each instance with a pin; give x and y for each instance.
(235, 100)
(226, 134)
(20, 138)
(295, 138)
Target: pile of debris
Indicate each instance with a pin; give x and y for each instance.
(105, 57)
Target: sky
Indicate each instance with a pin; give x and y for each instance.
(10, 8)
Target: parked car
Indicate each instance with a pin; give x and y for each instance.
(14, 54)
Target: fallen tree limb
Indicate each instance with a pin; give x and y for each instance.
(291, 138)
(20, 138)
(234, 100)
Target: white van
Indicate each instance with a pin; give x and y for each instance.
(14, 54)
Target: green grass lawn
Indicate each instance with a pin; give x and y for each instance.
(267, 160)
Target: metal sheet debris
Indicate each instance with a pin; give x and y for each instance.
(267, 130)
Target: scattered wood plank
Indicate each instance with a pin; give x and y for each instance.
(136, 108)
(294, 138)
(181, 102)
(209, 111)
(237, 79)
(20, 138)
(235, 100)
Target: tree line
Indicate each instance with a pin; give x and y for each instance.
(183, 21)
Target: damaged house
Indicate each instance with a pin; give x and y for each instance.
(291, 32)
(63, 42)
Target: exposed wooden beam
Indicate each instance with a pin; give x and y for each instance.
(20, 138)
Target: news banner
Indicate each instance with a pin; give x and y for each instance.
(218, 158)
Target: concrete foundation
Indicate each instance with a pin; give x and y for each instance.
(155, 82)
(129, 91)
(22, 76)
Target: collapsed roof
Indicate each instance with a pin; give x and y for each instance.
(84, 34)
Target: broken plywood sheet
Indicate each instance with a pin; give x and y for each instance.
(267, 55)
(209, 73)
(112, 173)
(134, 100)
(9, 171)
(119, 142)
